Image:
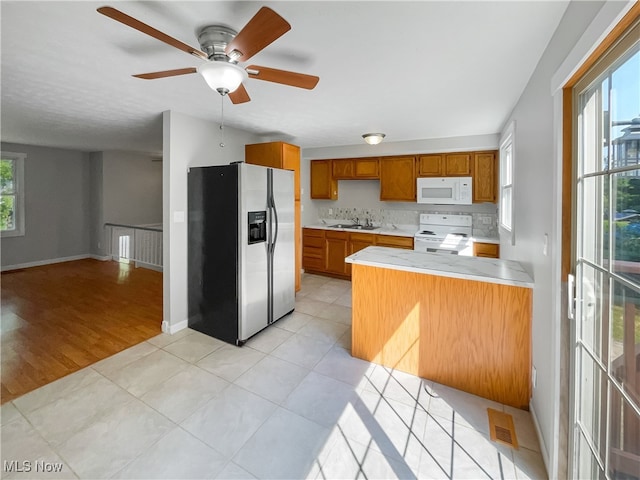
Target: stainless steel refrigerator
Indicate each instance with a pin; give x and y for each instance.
(241, 269)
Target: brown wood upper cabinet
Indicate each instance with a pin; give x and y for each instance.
(323, 185)
(445, 165)
(354, 168)
(485, 180)
(276, 155)
(398, 179)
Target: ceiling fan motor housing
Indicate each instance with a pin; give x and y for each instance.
(213, 41)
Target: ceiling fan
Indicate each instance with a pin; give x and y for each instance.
(221, 49)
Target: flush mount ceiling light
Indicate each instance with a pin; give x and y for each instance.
(224, 77)
(373, 138)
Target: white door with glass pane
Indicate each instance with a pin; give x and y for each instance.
(606, 333)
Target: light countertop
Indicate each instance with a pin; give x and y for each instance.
(492, 270)
(400, 230)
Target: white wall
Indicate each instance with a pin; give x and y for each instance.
(537, 197)
(57, 221)
(187, 142)
(366, 193)
(96, 205)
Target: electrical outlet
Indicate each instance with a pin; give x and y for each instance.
(331, 211)
(99, 245)
(486, 220)
(545, 245)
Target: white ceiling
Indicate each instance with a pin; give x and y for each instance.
(414, 70)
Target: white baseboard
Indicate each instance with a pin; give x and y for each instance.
(102, 258)
(175, 328)
(39, 263)
(543, 446)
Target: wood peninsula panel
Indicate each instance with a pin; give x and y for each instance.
(473, 336)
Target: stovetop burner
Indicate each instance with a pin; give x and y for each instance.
(427, 232)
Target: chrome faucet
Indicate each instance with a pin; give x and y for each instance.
(367, 223)
(356, 221)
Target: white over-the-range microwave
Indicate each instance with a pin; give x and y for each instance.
(444, 190)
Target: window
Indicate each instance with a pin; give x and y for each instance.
(506, 182)
(12, 194)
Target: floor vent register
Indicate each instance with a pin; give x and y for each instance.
(501, 428)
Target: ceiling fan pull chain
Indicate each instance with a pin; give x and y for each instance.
(222, 121)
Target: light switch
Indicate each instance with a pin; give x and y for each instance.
(178, 217)
(545, 245)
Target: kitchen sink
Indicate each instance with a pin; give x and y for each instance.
(354, 227)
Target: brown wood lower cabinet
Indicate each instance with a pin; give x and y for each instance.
(489, 250)
(337, 248)
(324, 251)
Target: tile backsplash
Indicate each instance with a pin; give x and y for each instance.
(484, 224)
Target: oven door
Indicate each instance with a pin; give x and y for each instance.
(422, 245)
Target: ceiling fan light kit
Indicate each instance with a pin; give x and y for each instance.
(224, 77)
(373, 138)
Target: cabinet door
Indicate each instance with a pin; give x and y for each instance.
(489, 250)
(336, 251)
(322, 184)
(342, 168)
(291, 161)
(366, 168)
(398, 179)
(357, 242)
(484, 177)
(457, 164)
(430, 165)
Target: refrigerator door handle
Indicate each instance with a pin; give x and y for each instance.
(275, 217)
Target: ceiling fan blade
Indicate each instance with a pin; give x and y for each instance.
(166, 73)
(265, 27)
(144, 28)
(239, 95)
(282, 76)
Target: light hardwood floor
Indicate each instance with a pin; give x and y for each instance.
(59, 318)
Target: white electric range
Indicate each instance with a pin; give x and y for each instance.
(450, 234)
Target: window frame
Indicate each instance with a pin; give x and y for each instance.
(18, 189)
(507, 165)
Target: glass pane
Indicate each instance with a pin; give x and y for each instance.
(625, 113)
(593, 231)
(626, 224)
(592, 142)
(7, 175)
(594, 314)
(505, 207)
(592, 402)
(7, 212)
(625, 339)
(624, 439)
(587, 466)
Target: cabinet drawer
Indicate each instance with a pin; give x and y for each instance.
(491, 250)
(312, 263)
(393, 241)
(337, 235)
(313, 232)
(317, 242)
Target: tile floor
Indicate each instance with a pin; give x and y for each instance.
(292, 403)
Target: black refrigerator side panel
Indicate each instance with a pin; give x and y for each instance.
(213, 251)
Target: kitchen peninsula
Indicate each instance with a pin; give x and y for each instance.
(459, 321)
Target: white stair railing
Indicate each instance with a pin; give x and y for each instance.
(141, 244)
